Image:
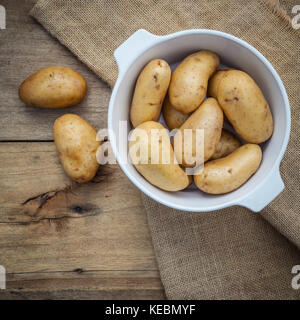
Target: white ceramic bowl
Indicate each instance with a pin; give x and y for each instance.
(142, 47)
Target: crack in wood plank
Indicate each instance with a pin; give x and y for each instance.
(43, 206)
(44, 197)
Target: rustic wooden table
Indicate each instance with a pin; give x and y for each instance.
(60, 240)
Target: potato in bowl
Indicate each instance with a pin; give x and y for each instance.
(239, 55)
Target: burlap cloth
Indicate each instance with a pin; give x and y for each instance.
(232, 253)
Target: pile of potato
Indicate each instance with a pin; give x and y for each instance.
(75, 139)
(232, 94)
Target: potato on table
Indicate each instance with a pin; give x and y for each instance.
(53, 87)
(150, 91)
(229, 173)
(159, 167)
(209, 117)
(189, 80)
(245, 106)
(227, 144)
(174, 119)
(75, 141)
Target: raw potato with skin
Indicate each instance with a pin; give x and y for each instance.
(189, 80)
(53, 87)
(174, 119)
(227, 174)
(245, 106)
(75, 141)
(209, 116)
(150, 91)
(214, 81)
(227, 144)
(166, 176)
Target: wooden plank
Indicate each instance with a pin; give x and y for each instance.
(46, 225)
(25, 47)
(84, 285)
(59, 239)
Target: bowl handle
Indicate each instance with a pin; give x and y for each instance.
(266, 193)
(132, 47)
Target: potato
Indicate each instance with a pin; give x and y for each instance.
(166, 175)
(150, 91)
(53, 87)
(174, 119)
(214, 82)
(208, 116)
(227, 144)
(227, 174)
(245, 106)
(188, 84)
(75, 141)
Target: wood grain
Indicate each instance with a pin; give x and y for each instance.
(50, 224)
(59, 239)
(99, 225)
(79, 284)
